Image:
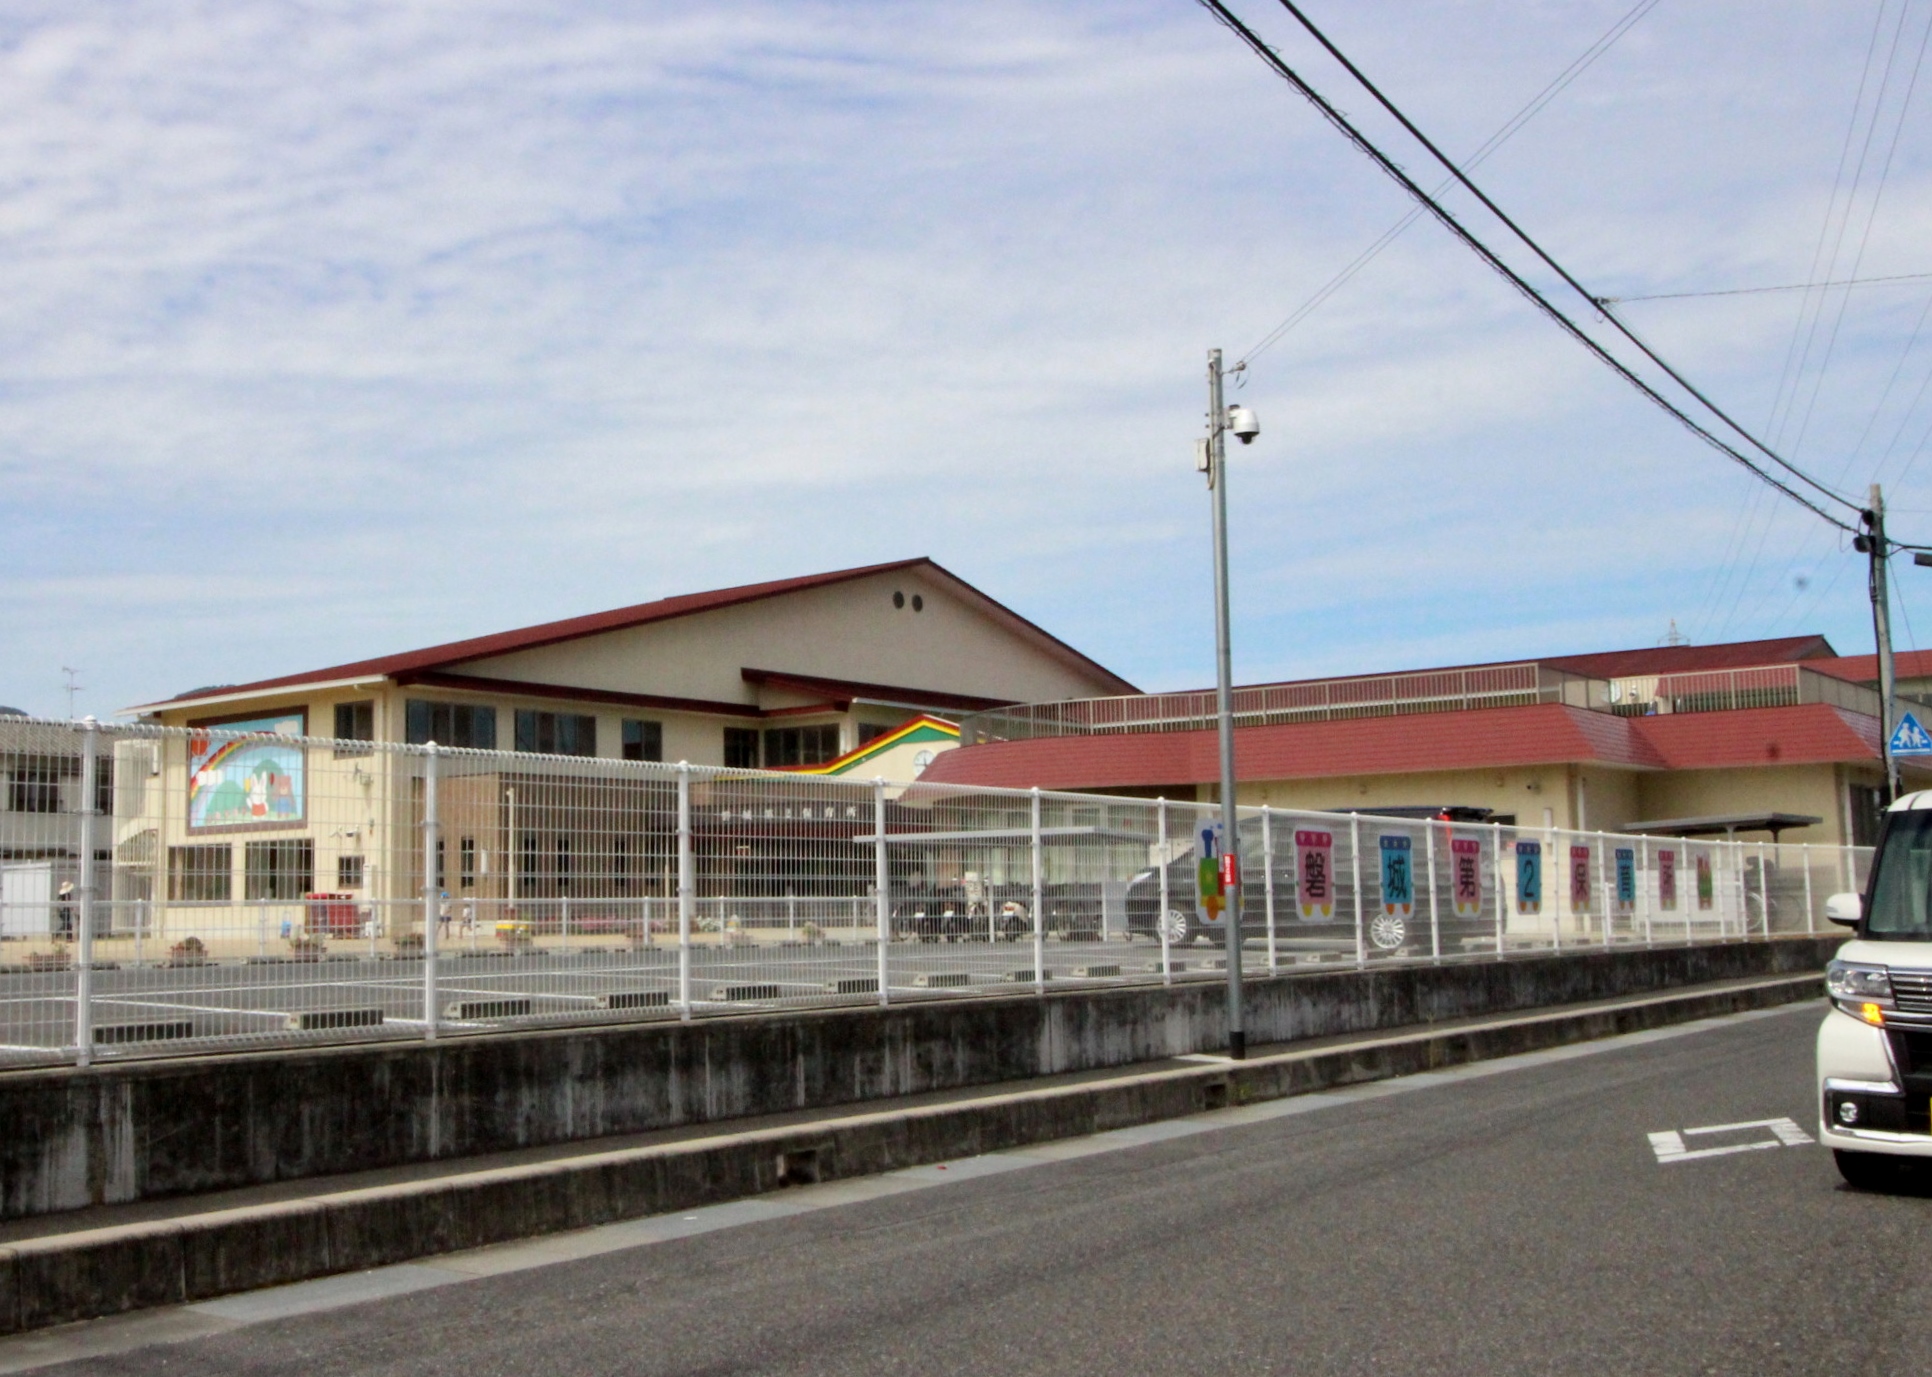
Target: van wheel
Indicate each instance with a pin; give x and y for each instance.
(1866, 1171)
(1387, 931)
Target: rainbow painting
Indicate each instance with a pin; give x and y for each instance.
(246, 780)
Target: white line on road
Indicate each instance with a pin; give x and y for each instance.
(1670, 1147)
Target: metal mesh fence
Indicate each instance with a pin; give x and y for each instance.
(167, 890)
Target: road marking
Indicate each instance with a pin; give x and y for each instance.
(1670, 1146)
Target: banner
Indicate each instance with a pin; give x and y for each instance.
(1579, 879)
(1398, 878)
(1667, 881)
(1210, 899)
(1466, 875)
(1529, 877)
(1626, 880)
(1706, 886)
(1315, 875)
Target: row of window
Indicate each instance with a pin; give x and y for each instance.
(34, 783)
(271, 870)
(568, 733)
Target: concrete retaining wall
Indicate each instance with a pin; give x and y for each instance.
(117, 1133)
(104, 1271)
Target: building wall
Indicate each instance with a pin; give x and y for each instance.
(1526, 793)
(1813, 789)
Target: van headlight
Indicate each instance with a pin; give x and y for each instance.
(1863, 991)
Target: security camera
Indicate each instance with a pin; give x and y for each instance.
(1243, 423)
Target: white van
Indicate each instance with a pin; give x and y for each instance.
(1875, 1046)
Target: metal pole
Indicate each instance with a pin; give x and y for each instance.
(84, 969)
(1224, 704)
(429, 892)
(1268, 881)
(1160, 919)
(1435, 913)
(1039, 903)
(1811, 918)
(1643, 887)
(1551, 890)
(1879, 551)
(1609, 886)
(1355, 874)
(881, 888)
(687, 889)
(1764, 891)
(1497, 864)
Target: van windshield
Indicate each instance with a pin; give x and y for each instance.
(1901, 906)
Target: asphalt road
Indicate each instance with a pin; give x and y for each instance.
(1507, 1218)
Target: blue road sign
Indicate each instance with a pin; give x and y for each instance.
(1909, 738)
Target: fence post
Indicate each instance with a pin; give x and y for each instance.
(1268, 881)
(1435, 914)
(1039, 903)
(1608, 885)
(429, 893)
(1811, 916)
(1497, 865)
(1355, 873)
(1643, 886)
(687, 890)
(1160, 918)
(84, 967)
(1764, 890)
(882, 887)
(1556, 883)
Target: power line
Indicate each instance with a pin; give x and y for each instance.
(1533, 107)
(1753, 291)
(1463, 180)
(1530, 293)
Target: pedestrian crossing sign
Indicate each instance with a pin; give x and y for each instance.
(1910, 738)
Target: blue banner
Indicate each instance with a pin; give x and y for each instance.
(1529, 877)
(1626, 879)
(1398, 877)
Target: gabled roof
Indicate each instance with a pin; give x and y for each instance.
(453, 653)
(1863, 669)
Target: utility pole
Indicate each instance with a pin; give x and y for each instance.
(1217, 456)
(1874, 544)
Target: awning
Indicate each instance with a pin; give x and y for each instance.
(1724, 824)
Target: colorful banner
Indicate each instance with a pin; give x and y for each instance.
(250, 781)
(1706, 884)
(1398, 878)
(1579, 879)
(1626, 880)
(1315, 875)
(1667, 881)
(1210, 898)
(1529, 877)
(1466, 875)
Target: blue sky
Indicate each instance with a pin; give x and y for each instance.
(342, 328)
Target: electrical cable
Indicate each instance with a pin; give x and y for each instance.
(1463, 180)
(1754, 291)
(1529, 292)
(1530, 109)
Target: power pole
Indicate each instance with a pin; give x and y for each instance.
(1874, 544)
(1224, 705)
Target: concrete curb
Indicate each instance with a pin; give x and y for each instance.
(99, 1272)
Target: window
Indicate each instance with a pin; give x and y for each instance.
(466, 862)
(348, 872)
(872, 731)
(1867, 811)
(354, 722)
(643, 740)
(33, 784)
(556, 733)
(620, 861)
(563, 864)
(200, 874)
(278, 869)
(450, 724)
(441, 869)
(741, 748)
(527, 857)
(801, 745)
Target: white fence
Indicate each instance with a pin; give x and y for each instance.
(167, 890)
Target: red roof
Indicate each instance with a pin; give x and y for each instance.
(1689, 659)
(1863, 669)
(1489, 738)
(641, 614)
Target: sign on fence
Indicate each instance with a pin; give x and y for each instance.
(1667, 881)
(1210, 897)
(1706, 887)
(1398, 878)
(1529, 877)
(1579, 879)
(1466, 875)
(1315, 875)
(1626, 880)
